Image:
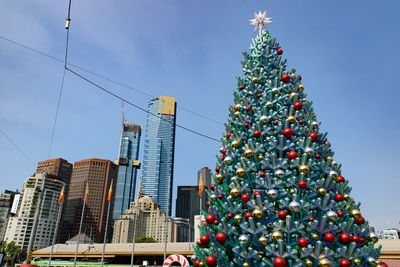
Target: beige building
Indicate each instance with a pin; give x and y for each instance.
(20, 225)
(150, 223)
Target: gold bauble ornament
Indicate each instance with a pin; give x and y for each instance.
(304, 168)
(245, 264)
(324, 262)
(235, 192)
(291, 119)
(219, 177)
(235, 143)
(276, 235)
(240, 172)
(260, 254)
(292, 191)
(357, 261)
(201, 264)
(321, 191)
(314, 236)
(237, 107)
(262, 240)
(346, 196)
(260, 157)
(248, 153)
(237, 218)
(309, 263)
(236, 114)
(378, 262)
(355, 213)
(255, 80)
(301, 87)
(293, 94)
(328, 158)
(257, 213)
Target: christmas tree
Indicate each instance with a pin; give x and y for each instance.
(279, 198)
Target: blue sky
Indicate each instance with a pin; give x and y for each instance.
(346, 51)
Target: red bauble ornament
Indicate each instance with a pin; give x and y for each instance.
(339, 197)
(340, 179)
(362, 240)
(199, 243)
(298, 105)
(216, 222)
(292, 155)
(220, 182)
(211, 261)
(196, 263)
(210, 218)
(262, 174)
(329, 237)
(285, 78)
(257, 193)
(228, 135)
(246, 125)
(344, 238)
(298, 76)
(245, 197)
(207, 204)
(344, 263)
(314, 137)
(301, 122)
(355, 238)
(247, 108)
(384, 264)
(256, 134)
(248, 215)
(360, 221)
(302, 184)
(222, 157)
(221, 238)
(279, 262)
(302, 242)
(288, 133)
(259, 95)
(317, 156)
(223, 151)
(311, 219)
(220, 196)
(230, 123)
(282, 214)
(233, 107)
(276, 122)
(217, 169)
(241, 87)
(230, 215)
(212, 187)
(279, 51)
(205, 240)
(340, 213)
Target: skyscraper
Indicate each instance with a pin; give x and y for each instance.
(128, 165)
(188, 202)
(158, 162)
(98, 174)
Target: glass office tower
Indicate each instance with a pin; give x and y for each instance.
(128, 164)
(158, 161)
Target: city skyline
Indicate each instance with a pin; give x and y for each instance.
(348, 67)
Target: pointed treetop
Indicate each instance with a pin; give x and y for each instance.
(260, 20)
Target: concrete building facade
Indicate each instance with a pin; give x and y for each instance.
(19, 227)
(6, 200)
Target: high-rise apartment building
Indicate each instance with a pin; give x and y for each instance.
(150, 223)
(6, 200)
(205, 174)
(158, 162)
(20, 225)
(128, 165)
(98, 174)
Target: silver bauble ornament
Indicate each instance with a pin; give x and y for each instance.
(275, 90)
(332, 215)
(334, 163)
(193, 257)
(213, 196)
(243, 239)
(294, 206)
(264, 119)
(279, 173)
(228, 160)
(272, 193)
(309, 151)
(315, 125)
(374, 237)
(371, 261)
(269, 104)
(333, 174)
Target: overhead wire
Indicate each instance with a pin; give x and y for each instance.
(105, 78)
(17, 147)
(138, 107)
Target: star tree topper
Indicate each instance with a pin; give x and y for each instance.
(260, 20)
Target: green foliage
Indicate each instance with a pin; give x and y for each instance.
(11, 251)
(145, 239)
